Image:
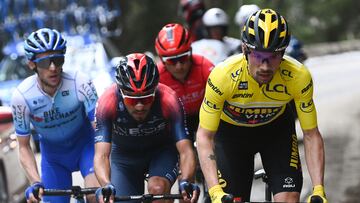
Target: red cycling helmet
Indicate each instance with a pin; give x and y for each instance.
(137, 73)
(191, 10)
(173, 39)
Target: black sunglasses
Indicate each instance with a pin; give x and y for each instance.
(44, 62)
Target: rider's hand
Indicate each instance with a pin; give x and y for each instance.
(217, 195)
(318, 195)
(33, 193)
(189, 191)
(106, 193)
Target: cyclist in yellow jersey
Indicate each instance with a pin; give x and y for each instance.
(245, 111)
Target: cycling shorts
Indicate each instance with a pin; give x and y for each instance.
(57, 168)
(276, 142)
(128, 169)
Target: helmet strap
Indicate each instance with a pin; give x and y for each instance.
(246, 51)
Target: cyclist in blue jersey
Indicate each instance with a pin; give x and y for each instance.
(61, 108)
(140, 126)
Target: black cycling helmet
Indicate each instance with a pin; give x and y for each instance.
(137, 73)
(266, 30)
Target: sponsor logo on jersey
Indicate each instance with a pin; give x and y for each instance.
(235, 74)
(141, 130)
(36, 118)
(307, 87)
(38, 101)
(19, 112)
(243, 95)
(273, 91)
(294, 157)
(243, 85)
(288, 183)
(88, 91)
(193, 96)
(55, 114)
(65, 93)
(251, 115)
(215, 88)
(286, 72)
(210, 104)
(307, 107)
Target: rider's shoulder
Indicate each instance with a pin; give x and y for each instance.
(74, 75)
(200, 61)
(27, 83)
(294, 69)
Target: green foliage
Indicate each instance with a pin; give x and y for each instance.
(310, 20)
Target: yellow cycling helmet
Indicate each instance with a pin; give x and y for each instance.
(266, 30)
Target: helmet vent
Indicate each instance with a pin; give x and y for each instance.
(38, 39)
(273, 18)
(183, 39)
(30, 43)
(46, 36)
(262, 16)
(136, 63)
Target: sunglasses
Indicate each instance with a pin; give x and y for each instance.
(45, 62)
(173, 60)
(260, 56)
(133, 100)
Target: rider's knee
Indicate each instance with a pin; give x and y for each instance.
(158, 185)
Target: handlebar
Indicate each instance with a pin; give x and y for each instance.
(75, 191)
(148, 197)
(78, 192)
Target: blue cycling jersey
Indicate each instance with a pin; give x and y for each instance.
(60, 120)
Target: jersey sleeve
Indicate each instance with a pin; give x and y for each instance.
(215, 94)
(174, 110)
(21, 114)
(104, 116)
(303, 97)
(87, 94)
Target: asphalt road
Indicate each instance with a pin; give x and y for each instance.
(337, 99)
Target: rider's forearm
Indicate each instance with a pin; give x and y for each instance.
(28, 162)
(206, 153)
(102, 167)
(315, 156)
(187, 161)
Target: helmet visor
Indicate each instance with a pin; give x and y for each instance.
(173, 60)
(133, 100)
(260, 57)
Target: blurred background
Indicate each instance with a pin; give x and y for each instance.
(133, 25)
(99, 31)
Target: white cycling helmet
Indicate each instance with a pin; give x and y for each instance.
(215, 17)
(243, 13)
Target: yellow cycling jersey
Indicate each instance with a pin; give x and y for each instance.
(234, 96)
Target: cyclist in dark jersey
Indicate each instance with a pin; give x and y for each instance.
(140, 123)
(184, 72)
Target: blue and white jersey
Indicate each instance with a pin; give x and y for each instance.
(59, 120)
